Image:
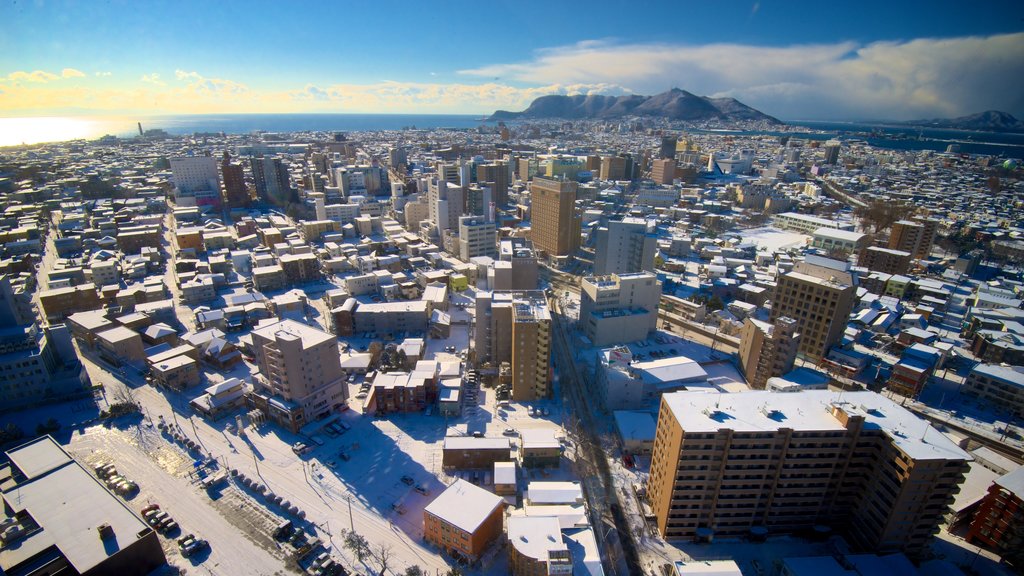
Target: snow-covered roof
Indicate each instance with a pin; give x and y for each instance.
(464, 505)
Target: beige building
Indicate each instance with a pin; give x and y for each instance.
(300, 376)
(554, 224)
(886, 260)
(477, 237)
(619, 308)
(915, 236)
(536, 547)
(531, 347)
(767, 350)
(119, 345)
(464, 519)
(663, 171)
(818, 293)
(727, 465)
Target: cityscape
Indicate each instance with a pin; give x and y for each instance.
(657, 302)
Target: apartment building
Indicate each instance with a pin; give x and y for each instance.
(38, 366)
(818, 293)
(619, 308)
(495, 176)
(624, 247)
(767, 350)
(729, 465)
(807, 224)
(663, 171)
(835, 240)
(999, 522)
(516, 268)
(885, 260)
(915, 236)
(1001, 385)
(300, 376)
(463, 520)
(530, 347)
(554, 224)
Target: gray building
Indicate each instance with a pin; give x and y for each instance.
(619, 308)
(624, 247)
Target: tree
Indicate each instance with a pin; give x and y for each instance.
(454, 572)
(414, 571)
(375, 349)
(383, 554)
(357, 544)
(882, 214)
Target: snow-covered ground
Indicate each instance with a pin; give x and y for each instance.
(773, 240)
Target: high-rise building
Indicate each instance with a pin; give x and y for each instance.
(619, 308)
(496, 176)
(767, 350)
(555, 226)
(663, 171)
(613, 168)
(523, 269)
(531, 347)
(727, 465)
(479, 200)
(999, 521)
(447, 204)
(886, 260)
(818, 293)
(668, 147)
(831, 150)
(624, 247)
(915, 236)
(195, 181)
(477, 237)
(273, 185)
(397, 157)
(236, 193)
(300, 377)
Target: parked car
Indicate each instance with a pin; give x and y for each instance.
(407, 480)
(422, 489)
(344, 456)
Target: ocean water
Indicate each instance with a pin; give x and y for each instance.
(14, 131)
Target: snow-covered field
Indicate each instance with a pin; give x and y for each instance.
(772, 239)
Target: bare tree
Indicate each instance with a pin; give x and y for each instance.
(383, 554)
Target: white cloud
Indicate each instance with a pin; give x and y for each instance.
(153, 79)
(216, 87)
(904, 79)
(34, 76)
(71, 73)
(103, 74)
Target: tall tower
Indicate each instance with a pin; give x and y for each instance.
(555, 227)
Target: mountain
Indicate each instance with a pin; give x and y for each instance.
(988, 121)
(674, 104)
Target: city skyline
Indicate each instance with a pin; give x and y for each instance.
(796, 61)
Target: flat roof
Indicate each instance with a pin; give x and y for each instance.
(118, 334)
(471, 443)
(1014, 481)
(464, 505)
(810, 410)
(554, 492)
(635, 425)
(309, 335)
(69, 504)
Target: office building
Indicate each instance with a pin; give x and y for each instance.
(807, 224)
(496, 177)
(668, 147)
(767, 350)
(619, 308)
(915, 236)
(446, 204)
(518, 331)
(624, 247)
(834, 241)
(464, 520)
(300, 376)
(554, 224)
(613, 168)
(818, 293)
(39, 366)
(195, 181)
(731, 465)
(236, 192)
(522, 271)
(479, 200)
(60, 519)
(273, 184)
(477, 237)
(663, 171)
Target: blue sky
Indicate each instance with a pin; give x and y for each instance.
(791, 59)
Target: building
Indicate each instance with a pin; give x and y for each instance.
(178, 372)
(999, 522)
(834, 240)
(522, 272)
(735, 464)
(59, 303)
(1001, 385)
(663, 171)
(120, 345)
(446, 202)
(60, 519)
(818, 293)
(39, 366)
(624, 247)
(613, 168)
(767, 350)
(464, 520)
(391, 318)
(885, 260)
(273, 184)
(236, 192)
(495, 176)
(195, 181)
(915, 236)
(531, 347)
(807, 224)
(536, 547)
(619, 308)
(915, 367)
(300, 377)
(469, 453)
(554, 224)
(477, 237)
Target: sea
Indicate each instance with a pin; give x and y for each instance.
(16, 131)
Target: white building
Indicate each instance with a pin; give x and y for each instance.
(619, 308)
(624, 247)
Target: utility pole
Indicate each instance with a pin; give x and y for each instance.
(351, 522)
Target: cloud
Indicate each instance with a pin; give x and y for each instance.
(71, 73)
(153, 79)
(102, 74)
(39, 76)
(216, 87)
(898, 80)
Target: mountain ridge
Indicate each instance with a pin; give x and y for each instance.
(674, 104)
(989, 121)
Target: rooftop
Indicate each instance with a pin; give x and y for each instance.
(464, 505)
(535, 536)
(309, 335)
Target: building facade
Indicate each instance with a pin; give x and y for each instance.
(619, 308)
(624, 247)
(767, 350)
(554, 224)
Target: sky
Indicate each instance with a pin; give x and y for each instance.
(865, 60)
